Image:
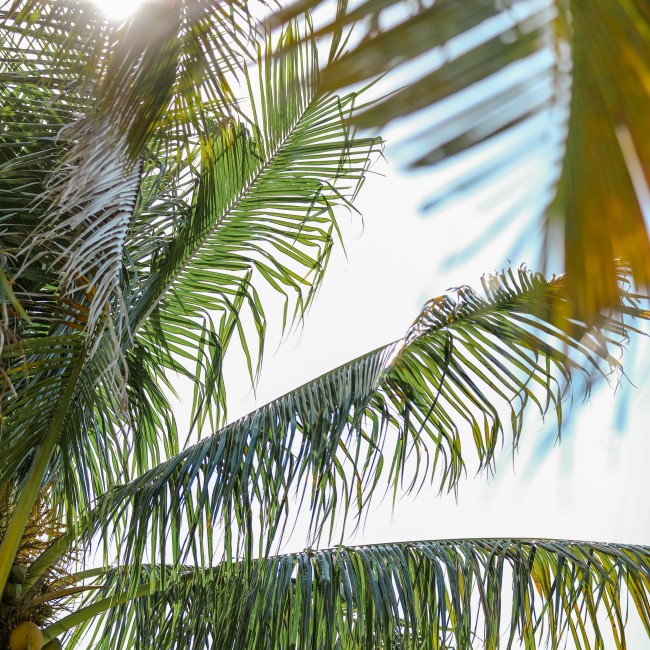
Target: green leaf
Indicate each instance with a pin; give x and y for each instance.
(236, 203)
(413, 408)
(152, 75)
(258, 201)
(409, 595)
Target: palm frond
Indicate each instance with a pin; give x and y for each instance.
(63, 186)
(157, 73)
(408, 412)
(463, 594)
(257, 201)
(125, 86)
(487, 82)
(89, 200)
(53, 387)
(602, 191)
(252, 198)
(34, 376)
(74, 400)
(474, 49)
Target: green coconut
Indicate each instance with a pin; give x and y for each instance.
(5, 611)
(26, 636)
(18, 573)
(12, 593)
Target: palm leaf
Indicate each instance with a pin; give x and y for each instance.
(495, 78)
(262, 213)
(405, 413)
(268, 183)
(410, 595)
(67, 196)
(603, 210)
(125, 87)
(153, 76)
(91, 198)
(35, 373)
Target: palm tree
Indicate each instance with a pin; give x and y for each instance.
(148, 210)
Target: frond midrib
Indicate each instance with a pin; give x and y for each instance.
(240, 196)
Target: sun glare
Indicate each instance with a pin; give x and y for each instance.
(118, 10)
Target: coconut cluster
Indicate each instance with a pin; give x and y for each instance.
(14, 587)
(21, 609)
(12, 595)
(20, 630)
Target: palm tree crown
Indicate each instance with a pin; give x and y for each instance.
(160, 179)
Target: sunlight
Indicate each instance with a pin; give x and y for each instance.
(119, 10)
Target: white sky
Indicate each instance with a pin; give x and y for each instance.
(592, 487)
(118, 10)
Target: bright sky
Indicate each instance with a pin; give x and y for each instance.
(118, 9)
(593, 487)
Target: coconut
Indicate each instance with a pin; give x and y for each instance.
(26, 636)
(18, 573)
(12, 593)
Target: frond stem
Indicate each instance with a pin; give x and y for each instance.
(60, 593)
(49, 557)
(32, 485)
(86, 613)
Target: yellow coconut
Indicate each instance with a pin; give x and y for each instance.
(26, 636)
